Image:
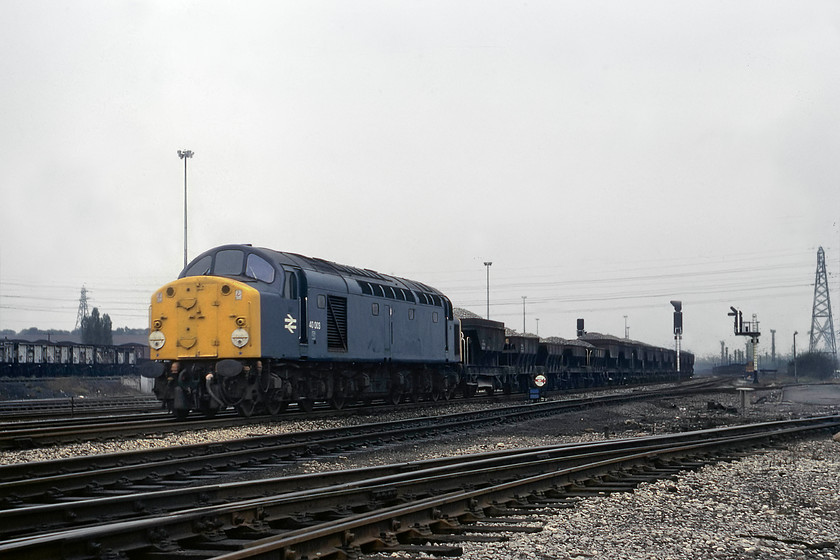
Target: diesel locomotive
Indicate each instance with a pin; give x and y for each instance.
(258, 329)
(254, 328)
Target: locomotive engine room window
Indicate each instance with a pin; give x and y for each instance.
(229, 263)
(411, 314)
(259, 269)
(322, 301)
(200, 267)
(435, 317)
(374, 308)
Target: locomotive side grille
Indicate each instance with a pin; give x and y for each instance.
(336, 324)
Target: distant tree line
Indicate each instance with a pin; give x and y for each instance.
(95, 329)
(818, 365)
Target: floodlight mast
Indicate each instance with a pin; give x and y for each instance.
(487, 265)
(184, 155)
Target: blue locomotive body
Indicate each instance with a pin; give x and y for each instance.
(305, 330)
(314, 309)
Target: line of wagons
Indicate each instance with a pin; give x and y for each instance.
(46, 358)
(499, 359)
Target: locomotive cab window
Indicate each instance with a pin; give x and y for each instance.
(229, 263)
(259, 269)
(200, 267)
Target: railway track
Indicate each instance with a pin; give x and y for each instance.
(160, 468)
(56, 431)
(376, 509)
(24, 409)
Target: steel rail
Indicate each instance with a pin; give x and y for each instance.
(20, 435)
(70, 406)
(92, 510)
(54, 480)
(51, 480)
(467, 490)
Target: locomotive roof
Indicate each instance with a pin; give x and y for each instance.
(324, 266)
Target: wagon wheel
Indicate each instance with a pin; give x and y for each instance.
(306, 405)
(339, 399)
(246, 407)
(394, 396)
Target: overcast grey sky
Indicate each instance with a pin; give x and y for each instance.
(607, 157)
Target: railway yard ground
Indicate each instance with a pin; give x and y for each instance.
(782, 502)
(67, 387)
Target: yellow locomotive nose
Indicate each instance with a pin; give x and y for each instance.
(205, 317)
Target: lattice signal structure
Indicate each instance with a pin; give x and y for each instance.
(822, 324)
(83, 309)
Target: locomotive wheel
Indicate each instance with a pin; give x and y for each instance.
(443, 389)
(338, 400)
(209, 412)
(246, 408)
(276, 404)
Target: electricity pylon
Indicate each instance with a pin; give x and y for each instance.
(822, 324)
(83, 308)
